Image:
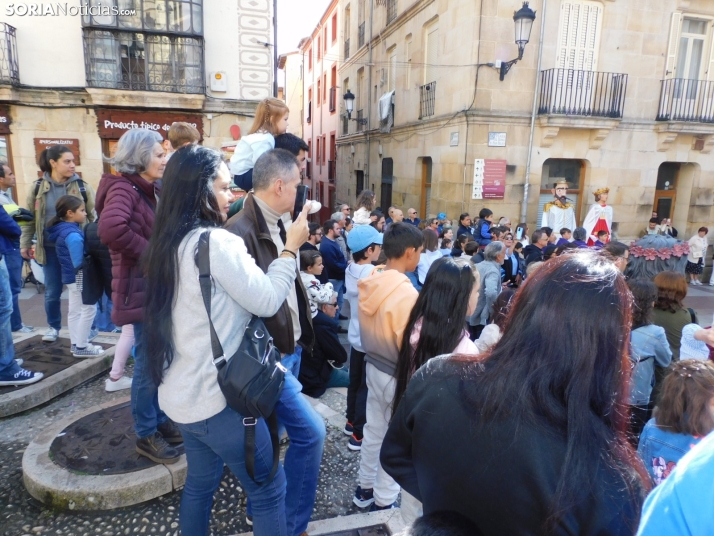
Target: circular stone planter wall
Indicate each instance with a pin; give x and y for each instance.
(63, 489)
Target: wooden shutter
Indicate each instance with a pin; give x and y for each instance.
(675, 29)
(579, 35)
(432, 58)
(710, 67)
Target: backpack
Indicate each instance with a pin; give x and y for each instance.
(96, 267)
(80, 183)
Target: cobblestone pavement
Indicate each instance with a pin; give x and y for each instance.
(20, 514)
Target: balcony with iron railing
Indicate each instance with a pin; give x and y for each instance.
(333, 99)
(347, 48)
(427, 100)
(582, 93)
(360, 35)
(144, 61)
(360, 125)
(686, 100)
(331, 171)
(9, 66)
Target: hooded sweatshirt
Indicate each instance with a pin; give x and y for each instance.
(386, 299)
(354, 273)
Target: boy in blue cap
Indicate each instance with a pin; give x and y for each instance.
(365, 242)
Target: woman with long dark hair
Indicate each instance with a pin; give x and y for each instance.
(531, 439)
(436, 323)
(197, 198)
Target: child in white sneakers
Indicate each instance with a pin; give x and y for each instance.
(65, 231)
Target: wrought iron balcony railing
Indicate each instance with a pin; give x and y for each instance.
(333, 99)
(147, 62)
(360, 35)
(582, 93)
(9, 67)
(360, 126)
(331, 171)
(686, 100)
(427, 100)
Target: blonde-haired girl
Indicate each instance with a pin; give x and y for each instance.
(271, 119)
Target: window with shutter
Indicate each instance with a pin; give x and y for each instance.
(431, 56)
(392, 81)
(579, 35)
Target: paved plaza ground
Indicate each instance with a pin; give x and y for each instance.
(20, 514)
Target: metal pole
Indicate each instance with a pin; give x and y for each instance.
(275, 48)
(524, 205)
(369, 92)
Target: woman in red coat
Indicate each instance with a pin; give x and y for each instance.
(126, 204)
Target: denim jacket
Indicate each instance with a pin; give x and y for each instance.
(648, 347)
(660, 450)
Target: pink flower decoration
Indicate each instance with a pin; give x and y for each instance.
(664, 254)
(650, 254)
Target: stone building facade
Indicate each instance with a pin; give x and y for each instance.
(83, 80)
(623, 98)
(321, 53)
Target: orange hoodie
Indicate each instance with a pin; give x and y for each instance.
(386, 299)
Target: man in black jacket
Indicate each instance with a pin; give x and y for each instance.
(533, 252)
(325, 366)
(262, 227)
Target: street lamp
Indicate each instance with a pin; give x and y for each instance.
(523, 18)
(350, 106)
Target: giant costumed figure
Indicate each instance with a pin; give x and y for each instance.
(560, 212)
(599, 217)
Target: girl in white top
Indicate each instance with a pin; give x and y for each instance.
(271, 119)
(365, 204)
(196, 198)
(697, 252)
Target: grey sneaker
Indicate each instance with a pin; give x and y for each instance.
(26, 329)
(90, 350)
(50, 335)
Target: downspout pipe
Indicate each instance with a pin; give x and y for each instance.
(368, 95)
(524, 204)
(275, 48)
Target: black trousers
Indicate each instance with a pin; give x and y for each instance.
(357, 393)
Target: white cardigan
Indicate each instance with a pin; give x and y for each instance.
(190, 391)
(697, 248)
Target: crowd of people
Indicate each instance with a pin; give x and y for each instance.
(461, 395)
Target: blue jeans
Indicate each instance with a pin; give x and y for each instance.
(338, 285)
(306, 430)
(14, 261)
(339, 378)
(103, 319)
(8, 366)
(218, 440)
(53, 288)
(144, 394)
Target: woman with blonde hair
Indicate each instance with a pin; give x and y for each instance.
(271, 119)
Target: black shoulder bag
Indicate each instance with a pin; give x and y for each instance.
(252, 379)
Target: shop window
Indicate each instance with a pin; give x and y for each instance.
(561, 168)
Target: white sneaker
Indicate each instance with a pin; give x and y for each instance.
(26, 329)
(90, 350)
(122, 383)
(50, 335)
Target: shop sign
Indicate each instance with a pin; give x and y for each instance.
(4, 120)
(489, 180)
(113, 123)
(43, 143)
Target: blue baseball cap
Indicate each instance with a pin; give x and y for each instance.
(363, 236)
(441, 215)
